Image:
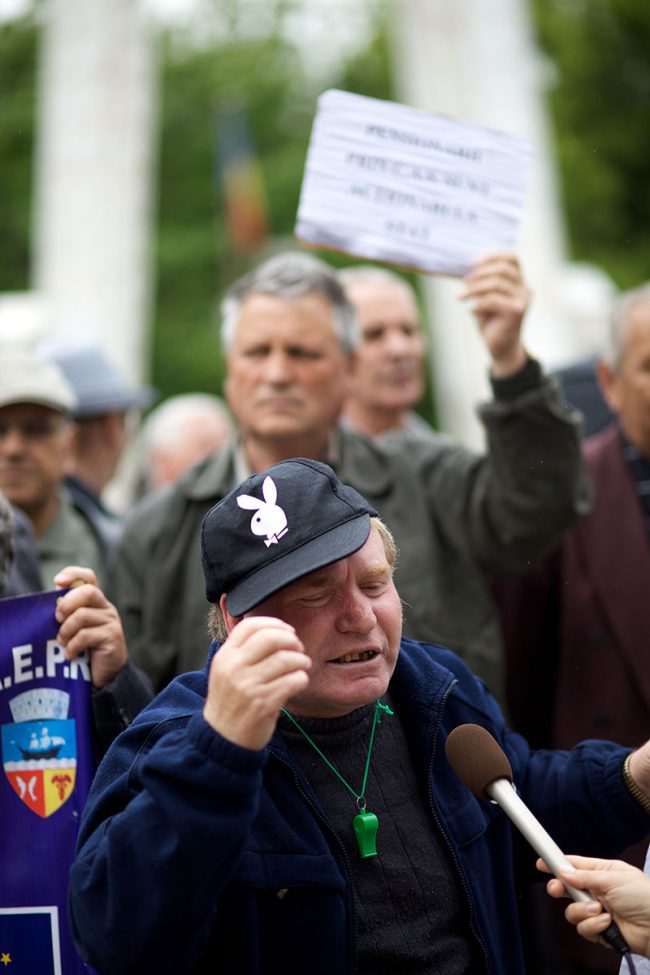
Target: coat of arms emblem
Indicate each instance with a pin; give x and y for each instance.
(39, 749)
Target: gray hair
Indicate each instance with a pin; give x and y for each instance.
(290, 276)
(165, 425)
(371, 274)
(622, 310)
(217, 623)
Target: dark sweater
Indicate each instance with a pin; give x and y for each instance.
(409, 910)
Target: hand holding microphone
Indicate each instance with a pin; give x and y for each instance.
(482, 765)
(622, 891)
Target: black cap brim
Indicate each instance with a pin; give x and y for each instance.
(333, 545)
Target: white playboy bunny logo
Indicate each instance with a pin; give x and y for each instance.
(270, 519)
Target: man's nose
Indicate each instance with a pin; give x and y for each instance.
(398, 343)
(357, 614)
(277, 368)
(12, 440)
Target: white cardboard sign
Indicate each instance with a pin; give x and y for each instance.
(396, 184)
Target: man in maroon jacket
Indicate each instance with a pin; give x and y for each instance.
(577, 627)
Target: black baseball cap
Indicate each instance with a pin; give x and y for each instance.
(276, 527)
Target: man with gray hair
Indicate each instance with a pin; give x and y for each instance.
(289, 335)
(388, 372)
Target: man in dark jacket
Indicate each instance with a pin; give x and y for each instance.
(577, 627)
(289, 336)
(579, 624)
(89, 622)
(290, 808)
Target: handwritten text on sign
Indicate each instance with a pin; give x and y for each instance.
(396, 184)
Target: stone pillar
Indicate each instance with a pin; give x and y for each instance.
(477, 62)
(93, 174)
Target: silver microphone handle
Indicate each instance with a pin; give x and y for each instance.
(503, 792)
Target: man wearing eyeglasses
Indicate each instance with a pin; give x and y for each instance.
(36, 435)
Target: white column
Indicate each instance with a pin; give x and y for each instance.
(93, 193)
(476, 61)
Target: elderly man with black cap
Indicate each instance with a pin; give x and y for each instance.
(290, 807)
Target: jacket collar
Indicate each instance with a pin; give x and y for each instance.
(357, 460)
(619, 570)
(213, 477)
(418, 684)
(364, 464)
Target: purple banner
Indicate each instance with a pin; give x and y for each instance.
(47, 768)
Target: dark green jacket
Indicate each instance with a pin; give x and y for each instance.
(455, 515)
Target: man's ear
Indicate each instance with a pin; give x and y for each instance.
(230, 620)
(610, 385)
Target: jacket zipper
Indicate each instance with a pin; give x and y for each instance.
(321, 818)
(444, 835)
(436, 819)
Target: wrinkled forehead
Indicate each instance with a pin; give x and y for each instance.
(312, 305)
(377, 300)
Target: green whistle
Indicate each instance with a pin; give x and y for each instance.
(365, 829)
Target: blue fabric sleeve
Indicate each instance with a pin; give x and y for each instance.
(194, 797)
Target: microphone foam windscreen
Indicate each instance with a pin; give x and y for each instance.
(476, 758)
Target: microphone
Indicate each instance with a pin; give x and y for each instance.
(481, 764)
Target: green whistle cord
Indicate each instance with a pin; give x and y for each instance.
(365, 823)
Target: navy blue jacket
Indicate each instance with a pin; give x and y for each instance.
(196, 855)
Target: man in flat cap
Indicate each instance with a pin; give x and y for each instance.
(36, 433)
(36, 403)
(290, 808)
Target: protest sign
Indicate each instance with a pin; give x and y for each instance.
(396, 184)
(47, 759)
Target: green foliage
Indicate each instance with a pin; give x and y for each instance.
(17, 113)
(600, 106)
(368, 72)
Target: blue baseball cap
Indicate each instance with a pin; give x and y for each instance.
(98, 383)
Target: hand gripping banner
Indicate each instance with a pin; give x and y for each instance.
(47, 768)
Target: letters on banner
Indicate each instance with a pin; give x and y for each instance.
(47, 760)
